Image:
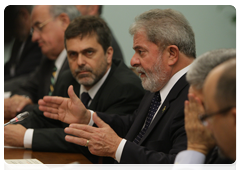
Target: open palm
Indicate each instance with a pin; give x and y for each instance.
(68, 110)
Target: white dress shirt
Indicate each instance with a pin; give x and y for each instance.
(189, 159)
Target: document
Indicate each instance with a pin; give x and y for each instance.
(24, 164)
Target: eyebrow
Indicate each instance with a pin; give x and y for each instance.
(36, 23)
(137, 47)
(85, 49)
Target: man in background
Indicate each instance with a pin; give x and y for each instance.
(220, 105)
(48, 26)
(199, 137)
(25, 55)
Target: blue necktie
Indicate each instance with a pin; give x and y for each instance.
(155, 103)
(85, 98)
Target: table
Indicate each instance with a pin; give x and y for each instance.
(45, 157)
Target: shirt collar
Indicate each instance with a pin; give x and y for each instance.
(59, 61)
(93, 91)
(166, 89)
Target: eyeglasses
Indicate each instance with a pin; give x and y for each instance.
(39, 26)
(203, 118)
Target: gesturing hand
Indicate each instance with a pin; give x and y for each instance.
(103, 141)
(68, 110)
(199, 138)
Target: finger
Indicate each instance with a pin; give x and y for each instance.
(48, 109)
(76, 140)
(83, 127)
(99, 122)
(41, 102)
(72, 95)
(53, 99)
(51, 115)
(44, 104)
(186, 108)
(78, 132)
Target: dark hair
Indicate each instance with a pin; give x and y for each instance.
(226, 85)
(89, 25)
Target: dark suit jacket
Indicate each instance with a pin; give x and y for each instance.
(37, 85)
(30, 58)
(166, 135)
(120, 93)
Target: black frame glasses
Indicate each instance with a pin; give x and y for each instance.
(203, 118)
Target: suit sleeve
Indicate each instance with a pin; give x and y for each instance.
(30, 87)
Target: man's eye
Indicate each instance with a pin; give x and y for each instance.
(73, 54)
(88, 53)
(140, 52)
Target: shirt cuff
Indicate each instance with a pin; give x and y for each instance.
(190, 157)
(91, 122)
(28, 136)
(119, 150)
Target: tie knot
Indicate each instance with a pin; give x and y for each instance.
(85, 98)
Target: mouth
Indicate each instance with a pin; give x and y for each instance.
(40, 44)
(82, 73)
(141, 74)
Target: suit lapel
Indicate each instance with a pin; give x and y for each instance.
(97, 97)
(177, 88)
(64, 66)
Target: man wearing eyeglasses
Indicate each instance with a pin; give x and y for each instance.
(220, 100)
(48, 26)
(201, 145)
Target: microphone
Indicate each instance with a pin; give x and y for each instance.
(18, 118)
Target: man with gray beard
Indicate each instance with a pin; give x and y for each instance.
(164, 47)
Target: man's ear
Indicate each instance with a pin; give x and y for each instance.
(109, 54)
(173, 54)
(64, 19)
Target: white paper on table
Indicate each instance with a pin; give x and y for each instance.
(24, 164)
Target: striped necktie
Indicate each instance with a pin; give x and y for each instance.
(52, 80)
(155, 103)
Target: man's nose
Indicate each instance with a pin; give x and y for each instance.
(135, 60)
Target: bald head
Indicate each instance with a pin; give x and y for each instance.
(219, 93)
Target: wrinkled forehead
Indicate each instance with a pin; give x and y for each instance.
(40, 14)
